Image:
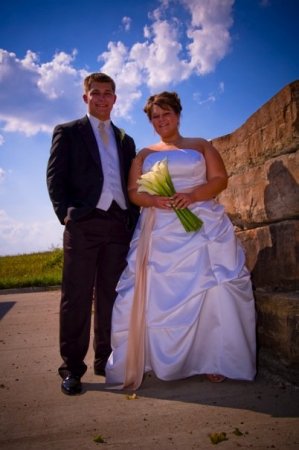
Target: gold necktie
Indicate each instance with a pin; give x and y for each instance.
(104, 134)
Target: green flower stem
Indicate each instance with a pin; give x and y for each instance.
(185, 224)
(170, 184)
(162, 189)
(167, 192)
(196, 222)
(189, 220)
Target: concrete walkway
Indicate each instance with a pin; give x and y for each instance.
(34, 414)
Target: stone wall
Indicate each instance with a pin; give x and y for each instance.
(262, 200)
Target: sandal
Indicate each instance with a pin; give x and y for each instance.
(215, 378)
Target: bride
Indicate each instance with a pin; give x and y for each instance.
(185, 304)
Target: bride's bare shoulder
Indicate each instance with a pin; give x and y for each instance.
(141, 155)
(146, 151)
(195, 143)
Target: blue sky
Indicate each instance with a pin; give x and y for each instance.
(225, 58)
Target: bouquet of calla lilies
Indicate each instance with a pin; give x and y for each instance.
(158, 182)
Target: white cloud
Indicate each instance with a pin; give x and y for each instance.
(221, 87)
(126, 21)
(18, 237)
(159, 57)
(211, 98)
(156, 61)
(209, 33)
(47, 89)
(1, 140)
(57, 77)
(126, 74)
(171, 51)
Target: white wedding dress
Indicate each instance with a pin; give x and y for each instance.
(199, 307)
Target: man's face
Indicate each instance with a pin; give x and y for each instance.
(100, 100)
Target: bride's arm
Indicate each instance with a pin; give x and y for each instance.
(215, 173)
(142, 198)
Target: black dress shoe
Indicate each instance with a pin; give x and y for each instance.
(71, 385)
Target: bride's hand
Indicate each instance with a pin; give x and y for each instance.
(161, 202)
(181, 200)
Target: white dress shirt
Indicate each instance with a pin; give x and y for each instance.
(112, 189)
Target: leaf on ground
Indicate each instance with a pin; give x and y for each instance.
(132, 397)
(218, 437)
(99, 439)
(237, 432)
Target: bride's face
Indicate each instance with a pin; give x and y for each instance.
(165, 121)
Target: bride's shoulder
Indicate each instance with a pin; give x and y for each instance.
(142, 154)
(195, 143)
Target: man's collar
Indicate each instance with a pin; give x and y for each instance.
(95, 121)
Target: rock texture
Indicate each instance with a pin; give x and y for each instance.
(262, 200)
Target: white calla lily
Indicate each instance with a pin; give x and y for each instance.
(158, 182)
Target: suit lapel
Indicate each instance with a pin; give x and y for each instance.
(119, 145)
(86, 130)
(120, 151)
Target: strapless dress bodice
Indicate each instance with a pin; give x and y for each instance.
(187, 167)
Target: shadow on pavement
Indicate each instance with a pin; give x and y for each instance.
(261, 395)
(5, 307)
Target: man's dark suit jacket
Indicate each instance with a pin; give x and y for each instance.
(74, 173)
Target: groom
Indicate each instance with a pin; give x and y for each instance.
(87, 178)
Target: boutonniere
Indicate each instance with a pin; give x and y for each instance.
(122, 134)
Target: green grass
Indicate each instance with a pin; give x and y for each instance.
(32, 270)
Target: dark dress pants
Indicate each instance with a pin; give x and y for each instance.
(95, 250)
